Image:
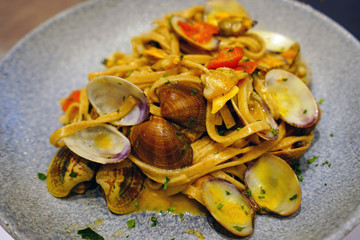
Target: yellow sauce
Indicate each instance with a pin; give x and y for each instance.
(103, 141)
(156, 200)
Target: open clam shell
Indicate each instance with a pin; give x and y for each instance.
(273, 185)
(66, 171)
(100, 143)
(108, 93)
(275, 42)
(297, 105)
(121, 183)
(228, 206)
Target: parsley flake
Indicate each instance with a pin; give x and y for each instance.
(227, 192)
(41, 176)
(313, 159)
(239, 229)
(249, 192)
(154, 220)
(88, 233)
(131, 223)
(73, 174)
(261, 197)
(220, 206)
(293, 197)
(193, 91)
(321, 101)
(167, 180)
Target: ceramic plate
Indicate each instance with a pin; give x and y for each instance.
(56, 58)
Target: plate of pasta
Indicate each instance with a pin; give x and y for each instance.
(216, 119)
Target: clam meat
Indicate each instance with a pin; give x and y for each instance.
(158, 143)
(100, 143)
(67, 171)
(122, 184)
(297, 105)
(273, 185)
(228, 206)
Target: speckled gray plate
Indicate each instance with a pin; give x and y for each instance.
(55, 59)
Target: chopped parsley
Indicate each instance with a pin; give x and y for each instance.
(261, 197)
(171, 209)
(255, 74)
(136, 203)
(105, 61)
(128, 73)
(246, 213)
(73, 174)
(321, 100)
(239, 229)
(88, 233)
(238, 129)
(193, 91)
(181, 215)
(216, 152)
(273, 131)
(313, 159)
(165, 75)
(178, 134)
(285, 79)
(227, 192)
(249, 192)
(262, 191)
(166, 182)
(220, 206)
(41, 176)
(154, 221)
(293, 197)
(297, 169)
(305, 111)
(192, 121)
(131, 223)
(168, 82)
(230, 50)
(326, 163)
(331, 135)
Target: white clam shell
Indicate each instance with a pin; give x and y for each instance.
(108, 93)
(274, 42)
(296, 103)
(101, 143)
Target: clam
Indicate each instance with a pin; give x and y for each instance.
(293, 153)
(275, 42)
(228, 206)
(158, 143)
(100, 143)
(183, 103)
(297, 105)
(188, 31)
(273, 185)
(122, 184)
(67, 171)
(107, 93)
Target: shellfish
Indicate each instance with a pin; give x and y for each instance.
(67, 171)
(121, 183)
(183, 104)
(273, 185)
(158, 143)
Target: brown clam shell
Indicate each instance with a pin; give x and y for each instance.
(121, 183)
(158, 143)
(293, 154)
(184, 104)
(69, 172)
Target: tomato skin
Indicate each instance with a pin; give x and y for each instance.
(73, 97)
(248, 67)
(228, 57)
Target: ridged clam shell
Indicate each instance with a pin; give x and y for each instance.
(183, 104)
(66, 171)
(159, 144)
(121, 184)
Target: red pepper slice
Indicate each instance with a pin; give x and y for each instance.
(248, 67)
(200, 32)
(228, 57)
(73, 97)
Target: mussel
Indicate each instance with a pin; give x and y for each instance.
(158, 143)
(297, 105)
(228, 206)
(121, 183)
(107, 93)
(67, 171)
(273, 185)
(183, 103)
(100, 143)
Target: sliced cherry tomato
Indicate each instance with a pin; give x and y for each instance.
(200, 32)
(248, 67)
(73, 97)
(228, 57)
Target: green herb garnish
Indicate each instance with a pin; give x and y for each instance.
(131, 223)
(171, 209)
(220, 206)
(293, 197)
(311, 160)
(193, 91)
(88, 233)
(227, 192)
(41, 176)
(230, 50)
(305, 111)
(73, 174)
(239, 229)
(167, 180)
(248, 192)
(331, 135)
(285, 79)
(261, 197)
(321, 100)
(105, 61)
(262, 190)
(154, 220)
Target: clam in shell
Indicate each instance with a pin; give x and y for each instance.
(228, 206)
(183, 103)
(158, 143)
(273, 185)
(121, 183)
(67, 171)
